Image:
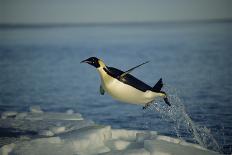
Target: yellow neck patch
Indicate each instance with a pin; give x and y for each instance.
(101, 63)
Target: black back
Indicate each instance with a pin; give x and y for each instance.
(128, 79)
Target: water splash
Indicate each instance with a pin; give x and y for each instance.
(183, 122)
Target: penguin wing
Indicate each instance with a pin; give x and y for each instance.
(130, 70)
(102, 91)
(129, 79)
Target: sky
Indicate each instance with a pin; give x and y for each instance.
(108, 11)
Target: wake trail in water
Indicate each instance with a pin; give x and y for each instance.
(177, 113)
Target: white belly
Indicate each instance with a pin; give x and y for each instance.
(127, 93)
(124, 92)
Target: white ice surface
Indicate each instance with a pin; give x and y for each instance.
(69, 134)
(46, 133)
(8, 114)
(6, 149)
(35, 109)
(158, 147)
(128, 152)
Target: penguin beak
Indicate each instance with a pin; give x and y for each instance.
(85, 61)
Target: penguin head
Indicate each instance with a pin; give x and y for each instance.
(93, 61)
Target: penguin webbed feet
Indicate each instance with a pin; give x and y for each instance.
(146, 105)
(167, 101)
(165, 98)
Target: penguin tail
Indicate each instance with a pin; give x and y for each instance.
(166, 98)
(157, 87)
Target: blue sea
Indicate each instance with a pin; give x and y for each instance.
(40, 65)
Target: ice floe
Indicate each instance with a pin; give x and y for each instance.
(49, 133)
(35, 109)
(8, 114)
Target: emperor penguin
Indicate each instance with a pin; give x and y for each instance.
(124, 87)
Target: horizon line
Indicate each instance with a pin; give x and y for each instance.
(97, 24)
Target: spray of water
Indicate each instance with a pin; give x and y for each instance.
(182, 121)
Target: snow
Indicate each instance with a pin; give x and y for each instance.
(6, 149)
(158, 147)
(140, 137)
(35, 109)
(8, 114)
(57, 129)
(117, 144)
(70, 111)
(53, 116)
(128, 152)
(68, 133)
(88, 140)
(46, 133)
(130, 134)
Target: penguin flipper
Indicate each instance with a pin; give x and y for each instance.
(158, 85)
(102, 91)
(130, 70)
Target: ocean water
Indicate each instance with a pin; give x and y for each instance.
(41, 66)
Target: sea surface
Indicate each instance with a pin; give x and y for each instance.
(40, 65)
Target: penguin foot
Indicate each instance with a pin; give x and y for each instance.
(146, 106)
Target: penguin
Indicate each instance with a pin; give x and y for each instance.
(124, 87)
